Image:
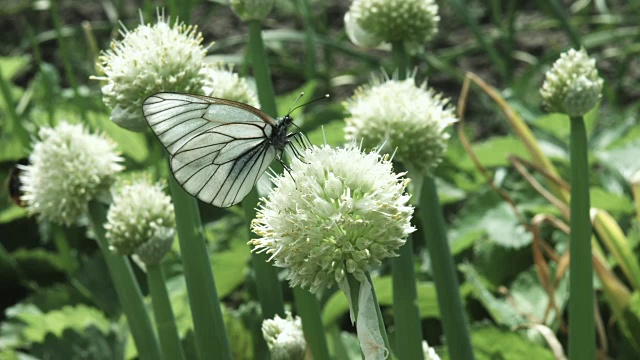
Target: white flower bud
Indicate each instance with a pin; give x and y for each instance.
(572, 86)
(284, 337)
(141, 221)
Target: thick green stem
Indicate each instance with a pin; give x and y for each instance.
(400, 59)
(165, 321)
(261, 71)
(444, 275)
(210, 334)
(266, 275)
(127, 288)
(405, 295)
(267, 283)
(309, 310)
(405, 304)
(581, 320)
(310, 40)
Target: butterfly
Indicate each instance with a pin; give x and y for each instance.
(219, 148)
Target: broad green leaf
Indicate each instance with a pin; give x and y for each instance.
(492, 343)
(494, 152)
(13, 65)
(610, 202)
(559, 125)
(622, 159)
(332, 134)
(502, 227)
(12, 213)
(285, 101)
(337, 305)
(229, 267)
(132, 144)
(530, 298)
(31, 325)
(501, 312)
(38, 263)
(73, 344)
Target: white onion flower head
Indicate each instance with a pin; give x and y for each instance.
(222, 82)
(248, 10)
(345, 212)
(414, 22)
(399, 116)
(428, 352)
(140, 221)
(68, 168)
(572, 86)
(284, 337)
(150, 59)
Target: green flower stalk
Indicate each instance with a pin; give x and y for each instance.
(68, 168)
(284, 337)
(369, 23)
(345, 212)
(141, 222)
(573, 87)
(150, 59)
(221, 82)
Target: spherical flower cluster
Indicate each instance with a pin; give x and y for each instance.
(150, 59)
(572, 86)
(68, 168)
(248, 10)
(223, 83)
(340, 211)
(284, 337)
(140, 221)
(402, 117)
(370, 22)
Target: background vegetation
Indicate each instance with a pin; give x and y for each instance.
(57, 297)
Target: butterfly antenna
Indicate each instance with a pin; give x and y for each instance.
(294, 103)
(326, 96)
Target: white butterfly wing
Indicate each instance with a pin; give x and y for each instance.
(219, 148)
(176, 118)
(221, 165)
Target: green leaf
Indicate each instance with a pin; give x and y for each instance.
(501, 312)
(622, 159)
(12, 213)
(494, 152)
(502, 227)
(13, 66)
(28, 325)
(491, 343)
(558, 124)
(337, 305)
(285, 101)
(132, 144)
(331, 133)
(229, 267)
(39, 264)
(530, 298)
(72, 344)
(613, 203)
